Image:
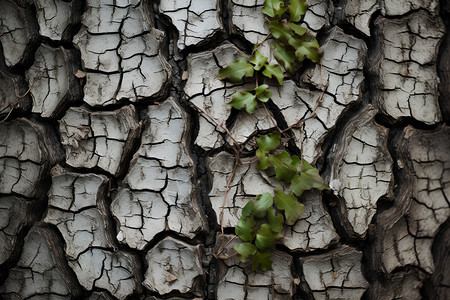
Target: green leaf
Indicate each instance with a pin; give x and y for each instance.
(284, 170)
(269, 141)
(263, 93)
(262, 203)
(308, 179)
(246, 228)
(258, 60)
(274, 70)
(288, 202)
(299, 30)
(265, 237)
(236, 70)
(284, 57)
(275, 220)
(245, 250)
(263, 160)
(261, 259)
(297, 8)
(306, 47)
(280, 31)
(244, 100)
(274, 8)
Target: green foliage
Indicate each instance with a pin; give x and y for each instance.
(262, 219)
(297, 8)
(236, 70)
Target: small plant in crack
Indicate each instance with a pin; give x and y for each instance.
(262, 219)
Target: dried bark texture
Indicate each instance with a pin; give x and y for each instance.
(361, 170)
(335, 275)
(54, 86)
(99, 139)
(40, 270)
(15, 214)
(159, 193)
(78, 209)
(56, 18)
(18, 34)
(405, 78)
(406, 232)
(120, 49)
(174, 265)
(195, 21)
(26, 153)
(114, 165)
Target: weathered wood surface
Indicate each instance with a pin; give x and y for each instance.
(114, 164)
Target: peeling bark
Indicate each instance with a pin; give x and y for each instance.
(54, 86)
(121, 51)
(335, 275)
(40, 271)
(174, 265)
(27, 152)
(196, 22)
(405, 232)
(361, 171)
(18, 34)
(404, 68)
(160, 192)
(99, 139)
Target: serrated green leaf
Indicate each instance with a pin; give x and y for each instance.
(299, 30)
(306, 47)
(261, 259)
(274, 70)
(263, 93)
(283, 169)
(258, 60)
(280, 31)
(246, 228)
(236, 70)
(265, 237)
(269, 141)
(308, 179)
(263, 160)
(297, 8)
(284, 57)
(245, 250)
(288, 202)
(245, 100)
(274, 8)
(275, 220)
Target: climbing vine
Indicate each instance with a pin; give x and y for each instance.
(262, 219)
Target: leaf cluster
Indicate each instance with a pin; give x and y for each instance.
(262, 219)
(293, 43)
(260, 225)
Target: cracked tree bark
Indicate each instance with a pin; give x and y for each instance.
(115, 157)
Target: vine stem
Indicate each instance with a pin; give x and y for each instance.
(224, 201)
(260, 44)
(217, 123)
(223, 248)
(12, 105)
(236, 149)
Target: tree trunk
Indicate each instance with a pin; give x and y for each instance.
(116, 147)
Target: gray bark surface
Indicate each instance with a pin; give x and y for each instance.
(115, 153)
